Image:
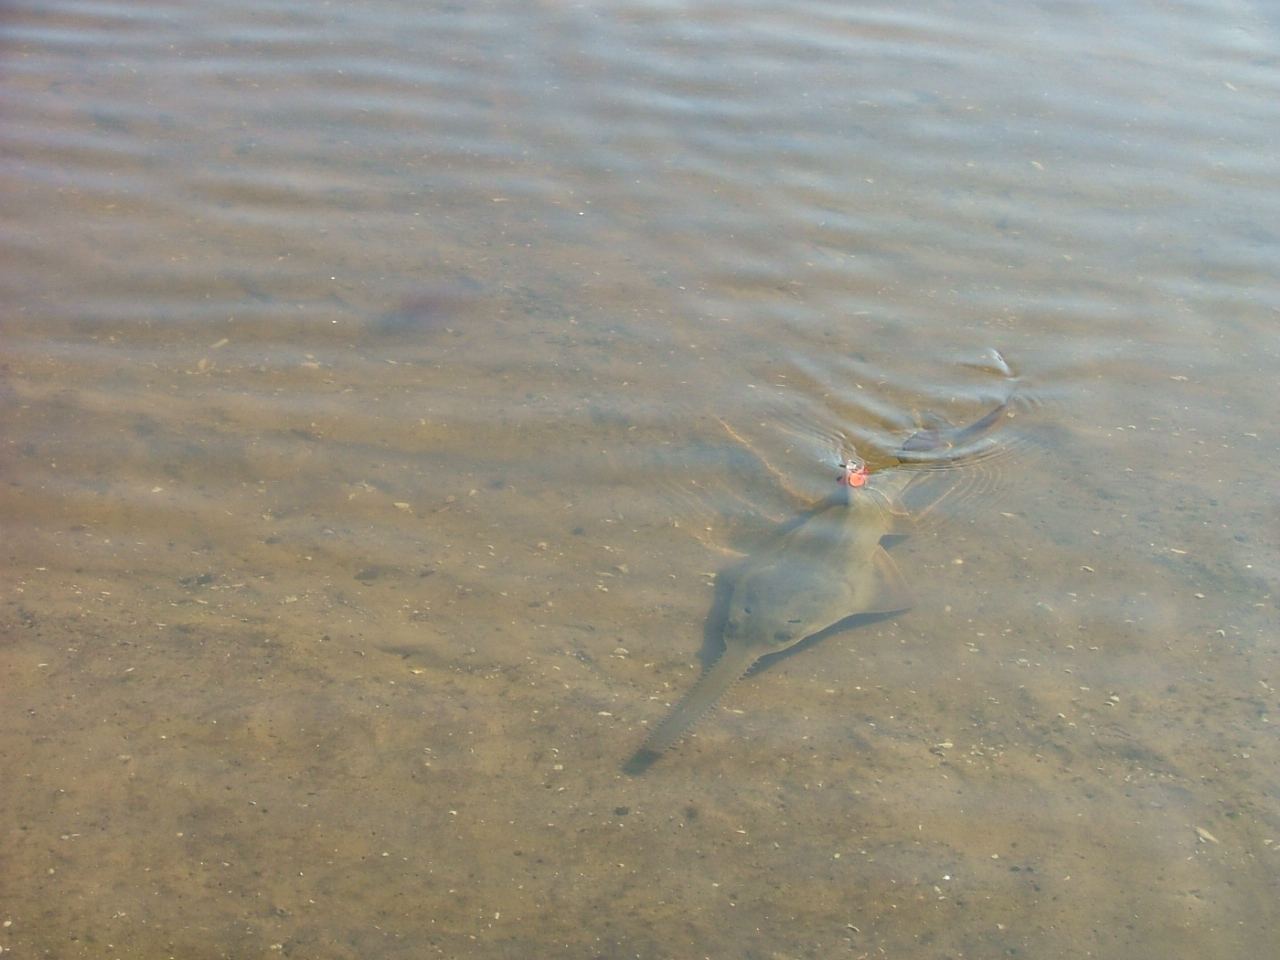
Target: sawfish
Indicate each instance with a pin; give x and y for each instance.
(831, 566)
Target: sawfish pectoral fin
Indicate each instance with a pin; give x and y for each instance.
(888, 591)
(926, 490)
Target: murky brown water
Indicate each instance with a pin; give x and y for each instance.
(385, 385)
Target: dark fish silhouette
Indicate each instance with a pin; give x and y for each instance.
(829, 567)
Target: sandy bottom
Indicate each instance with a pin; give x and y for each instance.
(348, 716)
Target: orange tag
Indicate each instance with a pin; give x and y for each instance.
(854, 476)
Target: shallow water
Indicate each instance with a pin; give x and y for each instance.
(384, 387)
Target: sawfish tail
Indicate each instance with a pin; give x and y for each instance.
(724, 673)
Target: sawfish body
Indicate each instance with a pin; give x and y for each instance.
(828, 568)
(831, 566)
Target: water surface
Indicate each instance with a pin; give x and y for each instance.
(385, 386)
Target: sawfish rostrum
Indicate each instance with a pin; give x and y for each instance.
(828, 568)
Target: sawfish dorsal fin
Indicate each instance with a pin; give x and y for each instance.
(889, 590)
